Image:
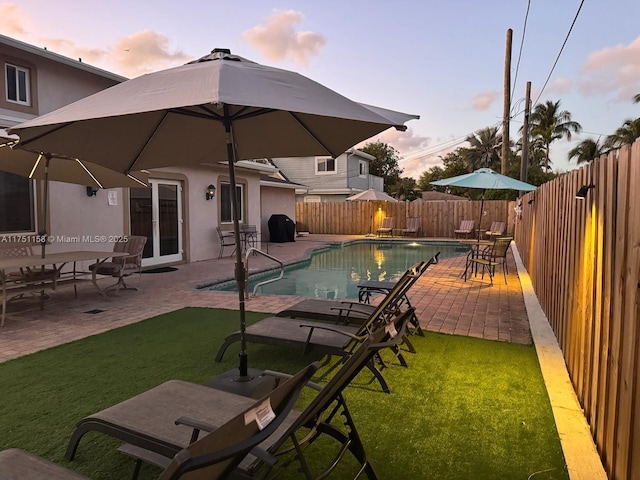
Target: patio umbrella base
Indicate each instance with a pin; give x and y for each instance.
(256, 386)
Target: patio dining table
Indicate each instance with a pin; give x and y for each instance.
(58, 261)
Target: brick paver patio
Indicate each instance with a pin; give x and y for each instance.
(444, 302)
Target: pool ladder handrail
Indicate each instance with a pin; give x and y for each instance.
(248, 253)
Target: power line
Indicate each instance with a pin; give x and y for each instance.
(559, 53)
(524, 31)
(443, 146)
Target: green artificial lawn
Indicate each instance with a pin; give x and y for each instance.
(465, 408)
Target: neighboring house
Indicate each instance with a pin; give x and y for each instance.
(327, 179)
(175, 214)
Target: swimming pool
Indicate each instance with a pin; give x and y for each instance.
(335, 272)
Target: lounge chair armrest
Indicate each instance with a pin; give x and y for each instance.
(197, 426)
(349, 310)
(276, 374)
(328, 327)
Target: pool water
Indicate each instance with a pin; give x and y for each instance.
(336, 271)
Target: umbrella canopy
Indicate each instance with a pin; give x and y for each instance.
(221, 107)
(371, 194)
(485, 179)
(62, 169)
(46, 167)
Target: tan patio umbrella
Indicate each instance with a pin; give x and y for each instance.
(45, 167)
(220, 107)
(368, 196)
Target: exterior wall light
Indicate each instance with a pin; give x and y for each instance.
(584, 189)
(211, 192)
(91, 191)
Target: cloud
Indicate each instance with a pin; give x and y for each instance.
(483, 101)
(613, 70)
(559, 86)
(277, 39)
(408, 143)
(144, 52)
(14, 22)
(138, 53)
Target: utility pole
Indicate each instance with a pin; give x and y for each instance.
(524, 166)
(507, 103)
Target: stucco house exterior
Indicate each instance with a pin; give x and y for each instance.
(327, 179)
(175, 213)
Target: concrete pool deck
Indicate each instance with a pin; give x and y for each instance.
(444, 303)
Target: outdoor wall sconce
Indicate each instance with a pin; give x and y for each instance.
(584, 189)
(91, 191)
(211, 192)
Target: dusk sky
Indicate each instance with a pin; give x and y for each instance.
(442, 60)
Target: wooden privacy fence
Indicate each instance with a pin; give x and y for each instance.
(437, 219)
(584, 260)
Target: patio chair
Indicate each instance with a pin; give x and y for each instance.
(147, 420)
(386, 227)
(327, 339)
(121, 267)
(489, 258)
(413, 227)
(227, 239)
(23, 280)
(497, 229)
(466, 229)
(351, 312)
(213, 456)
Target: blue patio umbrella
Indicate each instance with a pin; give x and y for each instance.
(485, 179)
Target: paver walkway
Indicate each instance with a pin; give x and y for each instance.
(444, 301)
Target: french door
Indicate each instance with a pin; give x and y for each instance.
(156, 213)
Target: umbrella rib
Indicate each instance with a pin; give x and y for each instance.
(146, 143)
(89, 173)
(22, 143)
(322, 144)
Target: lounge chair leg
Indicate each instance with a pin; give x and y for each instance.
(233, 338)
(378, 375)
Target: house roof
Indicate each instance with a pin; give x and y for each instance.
(44, 53)
(430, 196)
(270, 181)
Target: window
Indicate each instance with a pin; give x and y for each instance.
(362, 168)
(16, 204)
(225, 203)
(17, 84)
(325, 165)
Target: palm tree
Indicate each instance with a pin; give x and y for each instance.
(549, 123)
(636, 99)
(586, 150)
(625, 135)
(485, 147)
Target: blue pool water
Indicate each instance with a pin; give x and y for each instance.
(335, 272)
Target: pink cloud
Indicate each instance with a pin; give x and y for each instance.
(484, 100)
(14, 22)
(613, 70)
(277, 39)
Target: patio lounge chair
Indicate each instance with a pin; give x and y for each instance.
(497, 229)
(386, 227)
(327, 339)
(214, 456)
(489, 258)
(466, 229)
(350, 312)
(413, 227)
(147, 420)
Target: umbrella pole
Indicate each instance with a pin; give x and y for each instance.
(240, 274)
(481, 212)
